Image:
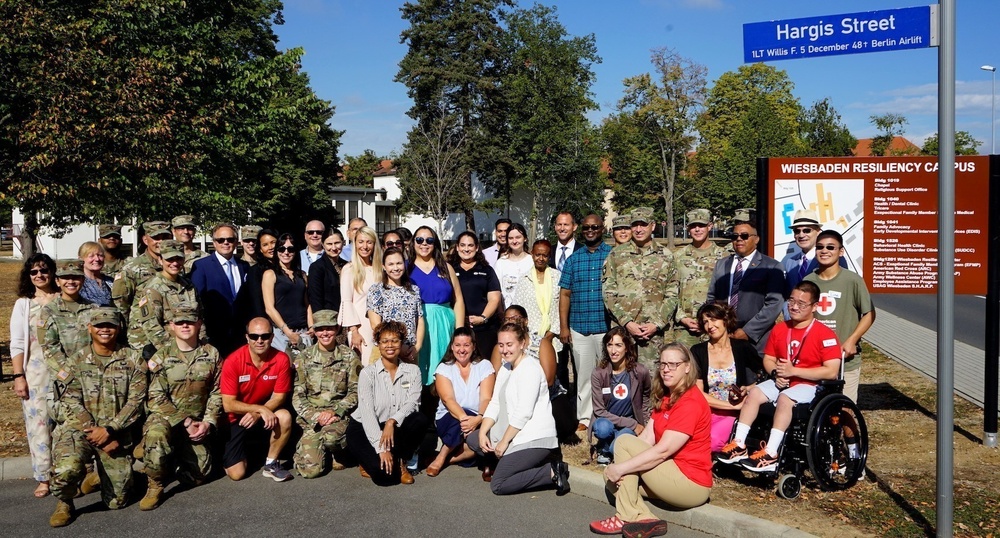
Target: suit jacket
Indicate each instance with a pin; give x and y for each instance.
(221, 323)
(791, 263)
(762, 294)
(557, 248)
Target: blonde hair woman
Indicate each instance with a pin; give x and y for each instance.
(363, 271)
(96, 285)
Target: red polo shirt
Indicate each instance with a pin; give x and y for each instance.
(250, 385)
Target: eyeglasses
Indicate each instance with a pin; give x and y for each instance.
(806, 230)
(422, 240)
(285, 249)
(314, 232)
(743, 236)
(670, 366)
(250, 241)
(591, 227)
(230, 240)
(513, 318)
(36, 272)
(827, 247)
(390, 244)
(799, 304)
(262, 336)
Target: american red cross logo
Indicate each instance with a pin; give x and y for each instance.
(621, 391)
(826, 304)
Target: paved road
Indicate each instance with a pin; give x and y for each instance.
(970, 313)
(456, 503)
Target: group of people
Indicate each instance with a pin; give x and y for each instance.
(360, 346)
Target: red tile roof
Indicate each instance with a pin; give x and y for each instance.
(898, 146)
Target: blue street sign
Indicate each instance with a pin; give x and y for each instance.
(849, 33)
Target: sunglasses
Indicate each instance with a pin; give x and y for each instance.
(285, 249)
(590, 227)
(827, 247)
(390, 244)
(422, 240)
(250, 241)
(262, 336)
(797, 231)
(36, 272)
(314, 232)
(113, 236)
(743, 236)
(230, 240)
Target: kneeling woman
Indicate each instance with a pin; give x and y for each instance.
(671, 459)
(387, 429)
(518, 426)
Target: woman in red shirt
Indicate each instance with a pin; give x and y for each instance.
(671, 458)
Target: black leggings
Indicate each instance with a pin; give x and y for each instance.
(406, 439)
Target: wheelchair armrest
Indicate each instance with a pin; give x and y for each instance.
(829, 386)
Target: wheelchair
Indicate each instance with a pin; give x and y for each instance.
(817, 440)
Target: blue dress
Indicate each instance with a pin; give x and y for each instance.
(439, 318)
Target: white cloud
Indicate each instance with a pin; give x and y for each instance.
(971, 98)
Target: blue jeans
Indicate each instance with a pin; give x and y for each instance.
(606, 433)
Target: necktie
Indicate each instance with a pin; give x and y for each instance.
(229, 273)
(803, 267)
(734, 290)
(562, 258)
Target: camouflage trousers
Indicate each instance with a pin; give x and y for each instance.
(168, 449)
(71, 452)
(649, 351)
(686, 337)
(310, 455)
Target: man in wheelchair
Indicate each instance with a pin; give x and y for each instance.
(799, 353)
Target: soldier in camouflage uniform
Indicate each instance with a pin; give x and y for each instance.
(110, 237)
(184, 231)
(138, 270)
(640, 287)
(621, 229)
(325, 394)
(158, 297)
(249, 241)
(184, 405)
(62, 325)
(102, 396)
(694, 264)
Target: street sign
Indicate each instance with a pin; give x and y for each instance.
(849, 33)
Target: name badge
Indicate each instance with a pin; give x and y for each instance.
(834, 294)
(829, 342)
(244, 378)
(606, 390)
(405, 384)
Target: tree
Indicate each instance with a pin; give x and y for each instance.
(664, 110)
(453, 60)
(633, 163)
(113, 112)
(890, 126)
(360, 169)
(824, 134)
(965, 144)
(545, 144)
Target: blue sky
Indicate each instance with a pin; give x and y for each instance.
(353, 50)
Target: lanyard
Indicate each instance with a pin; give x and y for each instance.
(793, 357)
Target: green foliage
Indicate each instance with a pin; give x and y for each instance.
(890, 126)
(633, 161)
(965, 144)
(359, 170)
(135, 109)
(824, 134)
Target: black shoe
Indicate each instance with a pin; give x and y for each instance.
(644, 528)
(560, 477)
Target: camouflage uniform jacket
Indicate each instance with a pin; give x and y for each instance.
(191, 257)
(694, 268)
(151, 310)
(640, 285)
(325, 382)
(105, 391)
(114, 267)
(130, 279)
(185, 384)
(62, 331)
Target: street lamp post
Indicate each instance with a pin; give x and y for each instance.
(993, 107)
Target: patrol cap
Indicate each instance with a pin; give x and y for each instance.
(184, 312)
(249, 232)
(105, 314)
(182, 220)
(171, 249)
(105, 230)
(641, 214)
(805, 217)
(699, 216)
(69, 268)
(621, 221)
(325, 318)
(154, 228)
(745, 215)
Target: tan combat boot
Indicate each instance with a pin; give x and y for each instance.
(91, 483)
(154, 492)
(62, 516)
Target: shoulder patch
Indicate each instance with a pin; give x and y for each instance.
(153, 365)
(118, 276)
(143, 301)
(62, 375)
(829, 342)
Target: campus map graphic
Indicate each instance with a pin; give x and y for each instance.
(840, 205)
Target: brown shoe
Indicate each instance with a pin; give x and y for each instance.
(404, 474)
(91, 483)
(62, 516)
(487, 474)
(154, 494)
(364, 473)
(581, 428)
(337, 466)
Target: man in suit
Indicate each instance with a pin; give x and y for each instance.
(753, 284)
(219, 279)
(565, 225)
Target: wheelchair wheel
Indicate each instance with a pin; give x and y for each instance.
(835, 425)
(789, 487)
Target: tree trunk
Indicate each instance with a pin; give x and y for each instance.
(668, 169)
(470, 214)
(532, 230)
(29, 234)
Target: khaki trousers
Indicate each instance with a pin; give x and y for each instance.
(665, 482)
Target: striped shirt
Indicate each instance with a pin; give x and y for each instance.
(582, 276)
(381, 398)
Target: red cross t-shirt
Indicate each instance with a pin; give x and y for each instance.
(690, 416)
(808, 347)
(250, 385)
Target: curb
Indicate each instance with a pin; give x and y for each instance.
(16, 468)
(706, 518)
